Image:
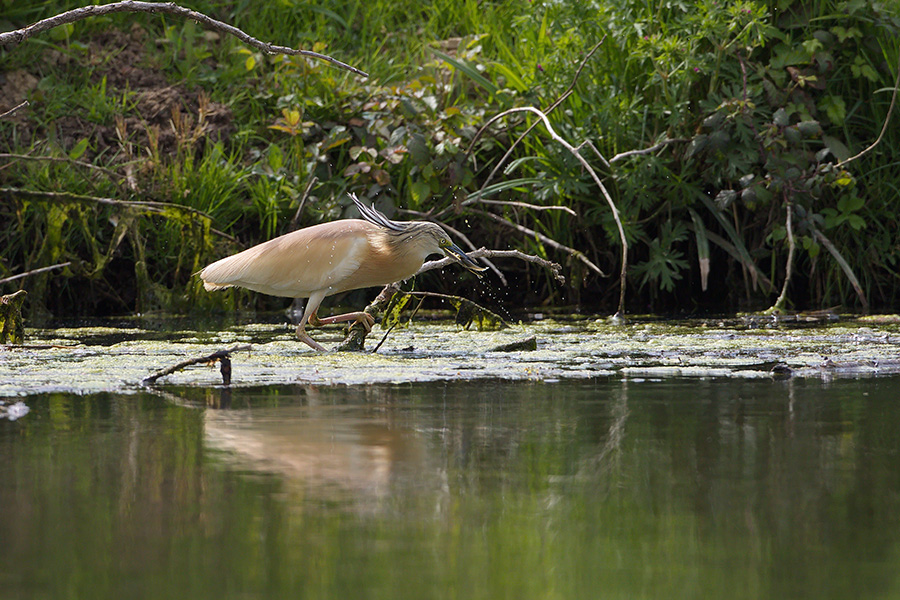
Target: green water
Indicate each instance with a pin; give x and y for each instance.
(597, 488)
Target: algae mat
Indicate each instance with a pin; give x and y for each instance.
(117, 359)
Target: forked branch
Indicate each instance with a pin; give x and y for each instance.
(17, 36)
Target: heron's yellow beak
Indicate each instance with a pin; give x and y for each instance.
(455, 252)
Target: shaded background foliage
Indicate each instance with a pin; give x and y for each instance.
(208, 146)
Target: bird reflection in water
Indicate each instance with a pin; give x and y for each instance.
(348, 454)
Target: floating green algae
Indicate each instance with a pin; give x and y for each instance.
(93, 359)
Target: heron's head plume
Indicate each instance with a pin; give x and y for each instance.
(429, 237)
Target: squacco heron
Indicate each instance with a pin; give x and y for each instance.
(328, 258)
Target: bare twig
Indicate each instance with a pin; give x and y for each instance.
(650, 150)
(150, 207)
(546, 240)
(789, 266)
(309, 186)
(222, 356)
(554, 268)
(63, 160)
(578, 71)
(531, 206)
(14, 109)
(20, 35)
(35, 272)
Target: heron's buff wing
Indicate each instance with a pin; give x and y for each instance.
(296, 264)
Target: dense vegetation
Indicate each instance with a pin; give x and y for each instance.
(199, 145)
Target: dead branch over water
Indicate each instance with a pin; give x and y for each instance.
(223, 357)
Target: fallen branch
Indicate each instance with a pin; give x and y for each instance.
(35, 272)
(14, 110)
(158, 208)
(222, 356)
(63, 160)
(15, 37)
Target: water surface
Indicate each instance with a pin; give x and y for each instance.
(590, 488)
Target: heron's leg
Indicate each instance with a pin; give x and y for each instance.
(360, 317)
(311, 306)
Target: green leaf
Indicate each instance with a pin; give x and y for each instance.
(513, 165)
(868, 72)
(512, 78)
(702, 247)
(276, 157)
(505, 185)
(469, 70)
(835, 108)
(63, 32)
(849, 204)
(812, 46)
(856, 222)
(420, 192)
(78, 150)
(838, 149)
(781, 118)
(328, 13)
(809, 128)
(741, 250)
(813, 249)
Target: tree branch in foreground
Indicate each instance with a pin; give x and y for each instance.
(15, 37)
(14, 109)
(356, 336)
(222, 356)
(35, 272)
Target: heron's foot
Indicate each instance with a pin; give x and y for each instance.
(304, 337)
(365, 318)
